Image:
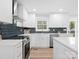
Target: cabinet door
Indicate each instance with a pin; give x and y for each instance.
(7, 52)
(44, 40)
(58, 51)
(40, 40)
(62, 52)
(6, 11)
(29, 19)
(18, 51)
(15, 7)
(33, 40)
(70, 54)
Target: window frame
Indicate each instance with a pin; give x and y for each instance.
(42, 25)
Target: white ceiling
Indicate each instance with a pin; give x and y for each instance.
(48, 6)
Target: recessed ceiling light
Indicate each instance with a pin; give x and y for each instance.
(60, 10)
(34, 9)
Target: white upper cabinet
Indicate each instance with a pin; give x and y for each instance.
(29, 19)
(6, 11)
(18, 13)
(62, 52)
(15, 7)
(20, 10)
(58, 20)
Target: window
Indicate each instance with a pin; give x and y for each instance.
(42, 22)
(42, 26)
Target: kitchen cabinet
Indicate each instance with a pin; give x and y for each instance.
(70, 54)
(29, 19)
(40, 40)
(18, 21)
(58, 20)
(15, 6)
(6, 11)
(62, 52)
(11, 49)
(18, 51)
(58, 51)
(9, 8)
(18, 13)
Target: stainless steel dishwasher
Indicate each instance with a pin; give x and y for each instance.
(51, 38)
(51, 41)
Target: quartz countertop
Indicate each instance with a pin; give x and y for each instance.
(9, 42)
(69, 42)
(24, 34)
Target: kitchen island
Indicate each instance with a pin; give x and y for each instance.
(65, 48)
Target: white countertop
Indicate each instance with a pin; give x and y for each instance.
(69, 42)
(9, 42)
(24, 35)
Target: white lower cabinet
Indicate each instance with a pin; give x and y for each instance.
(62, 52)
(11, 51)
(58, 51)
(70, 54)
(40, 40)
(18, 51)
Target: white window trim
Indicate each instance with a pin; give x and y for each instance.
(42, 29)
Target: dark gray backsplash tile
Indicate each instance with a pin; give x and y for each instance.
(51, 30)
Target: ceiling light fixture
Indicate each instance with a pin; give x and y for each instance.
(60, 10)
(34, 9)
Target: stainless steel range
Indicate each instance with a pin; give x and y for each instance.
(26, 47)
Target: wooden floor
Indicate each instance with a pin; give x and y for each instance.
(41, 53)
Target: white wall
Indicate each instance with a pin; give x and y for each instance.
(6, 11)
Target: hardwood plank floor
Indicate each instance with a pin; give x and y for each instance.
(41, 53)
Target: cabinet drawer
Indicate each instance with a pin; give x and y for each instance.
(58, 47)
(70, 54)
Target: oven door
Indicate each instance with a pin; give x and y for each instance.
(27, 50)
